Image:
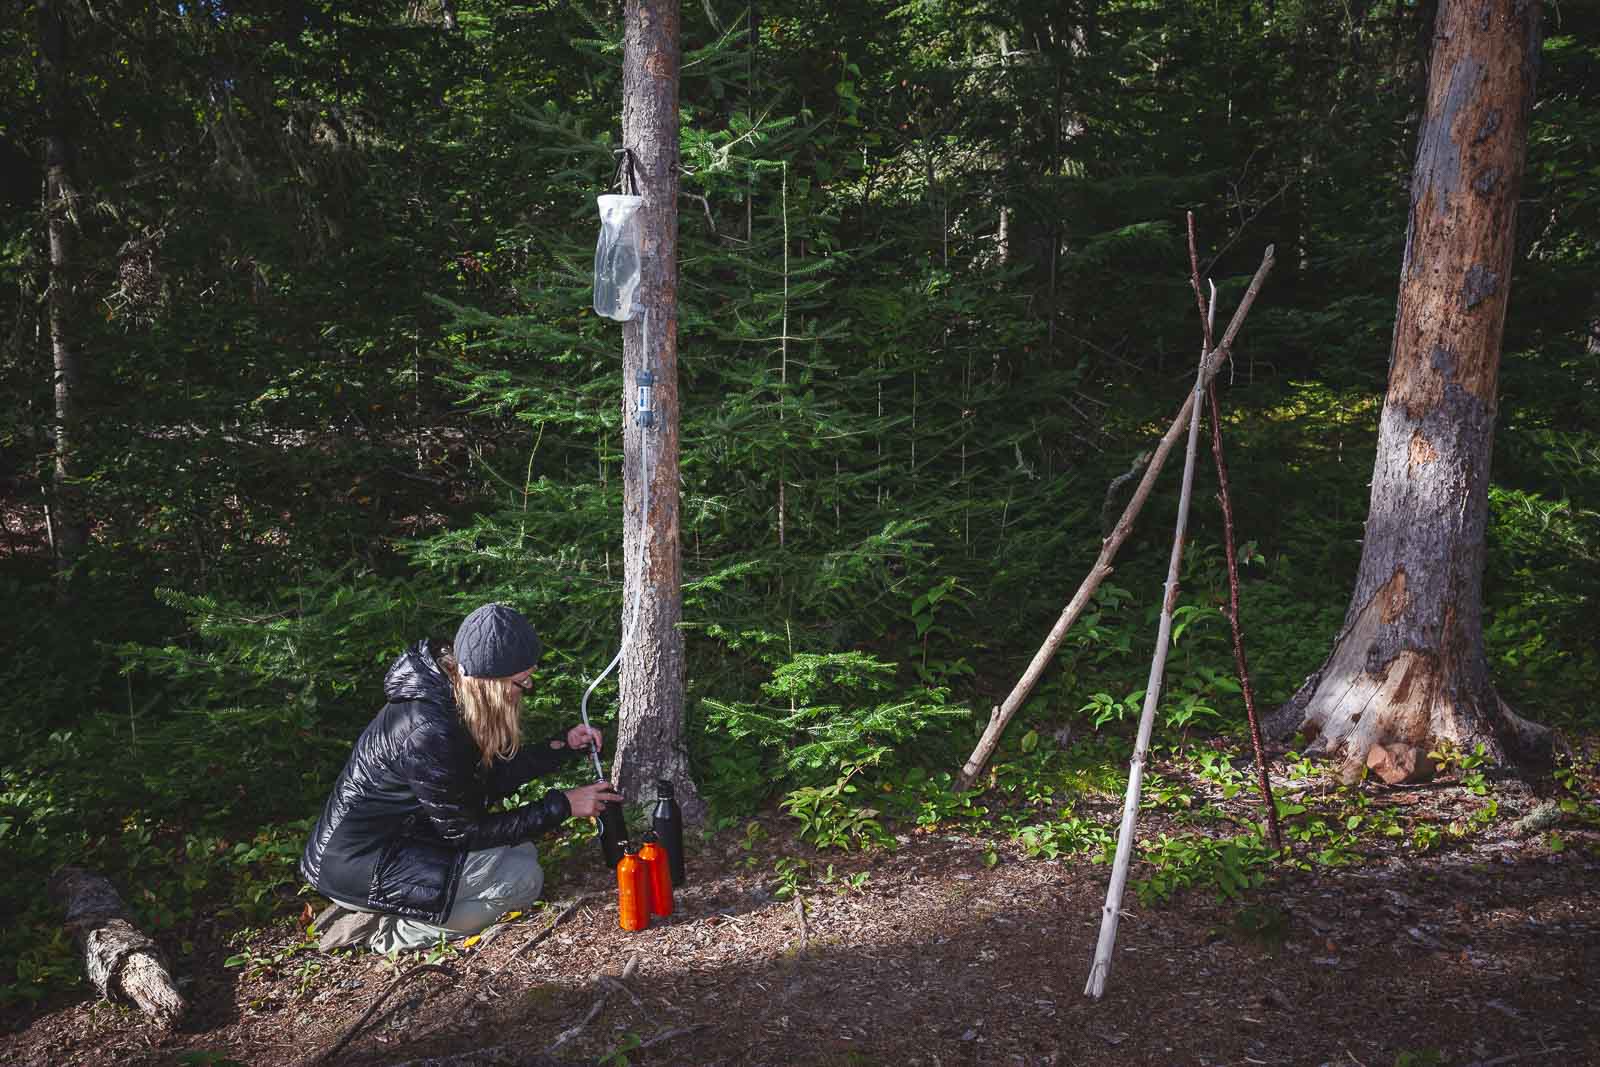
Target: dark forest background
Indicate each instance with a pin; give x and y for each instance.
(329, 295)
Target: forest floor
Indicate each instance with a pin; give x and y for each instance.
(953, 949)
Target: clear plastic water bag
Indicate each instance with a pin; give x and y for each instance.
(616, 257)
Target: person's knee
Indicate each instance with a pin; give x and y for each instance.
(508, 877)
(523, 877)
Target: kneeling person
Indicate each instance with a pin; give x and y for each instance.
(405, 846)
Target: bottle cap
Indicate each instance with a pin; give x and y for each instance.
(649, 837)
(663, 789)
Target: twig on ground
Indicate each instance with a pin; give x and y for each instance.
(600, 1002)
(410, 476)
(668, 1035)
(805, 933)
(536, 938)
(372, 1008)
(512, 1054)
(1514, 1056)
(617, 983)
(573, 1031)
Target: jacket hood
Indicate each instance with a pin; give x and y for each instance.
(416, 675)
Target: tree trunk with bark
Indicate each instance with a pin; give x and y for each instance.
(650, 742)
(1407, 671)
(68, 526)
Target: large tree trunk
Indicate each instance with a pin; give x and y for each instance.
(650, 743)
(1408, 669)
(68, 527)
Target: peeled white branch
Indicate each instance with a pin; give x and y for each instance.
(1152, 697)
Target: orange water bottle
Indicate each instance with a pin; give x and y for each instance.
(659, 873)
(633, 890)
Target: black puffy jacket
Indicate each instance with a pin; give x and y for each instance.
(412, 801)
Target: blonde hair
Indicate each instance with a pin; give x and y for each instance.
(491, 708)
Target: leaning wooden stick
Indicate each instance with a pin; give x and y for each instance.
(1147, 718)
(1225, 497)
(1003, 713)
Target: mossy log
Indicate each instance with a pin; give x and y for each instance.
(122, 962)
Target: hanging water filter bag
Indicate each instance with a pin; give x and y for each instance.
(616, 257)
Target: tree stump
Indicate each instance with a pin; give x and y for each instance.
(121, 961)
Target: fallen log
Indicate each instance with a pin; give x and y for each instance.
(121, 961)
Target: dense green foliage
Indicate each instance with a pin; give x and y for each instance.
(341, 384)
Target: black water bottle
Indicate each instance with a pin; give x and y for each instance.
(611, 830)
(667, 821)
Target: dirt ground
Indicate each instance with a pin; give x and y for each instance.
(1484, 952)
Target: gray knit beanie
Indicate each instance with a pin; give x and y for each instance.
(496, 642)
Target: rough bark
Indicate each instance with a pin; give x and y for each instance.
(650, 743)
(1408, 668)
(121, 962)
(68, 528)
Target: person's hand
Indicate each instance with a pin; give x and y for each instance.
(587, 800)
(579, 737)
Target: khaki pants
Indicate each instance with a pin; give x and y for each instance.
(493, 882)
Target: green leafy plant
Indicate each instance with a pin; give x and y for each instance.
(924, 611)
(441, 949)
(1218, 769)
(1229, 867)
(1425, 837)
(828, 819)
(789, 874)
(1103, 708)
(1162, 793)
(846, 884)
(1468, 767)
(618, 1055)
(299, 958)
(829, 717)
(754, 834)
(1067, 835)
(928, 800)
